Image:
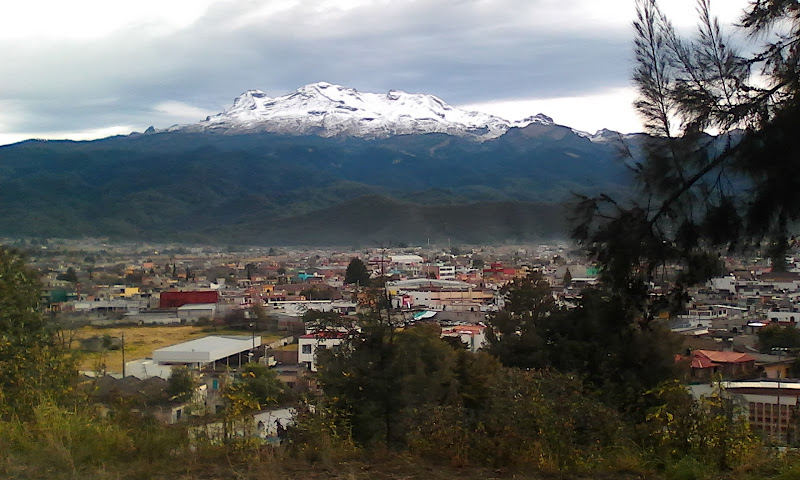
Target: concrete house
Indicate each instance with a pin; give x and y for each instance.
(311, 343)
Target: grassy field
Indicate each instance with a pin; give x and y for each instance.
(140, 341)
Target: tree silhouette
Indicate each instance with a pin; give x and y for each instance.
(357, 273)
(702, 194)
(180, 384)
(70, 276)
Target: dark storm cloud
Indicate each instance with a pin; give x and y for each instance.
(463, 52)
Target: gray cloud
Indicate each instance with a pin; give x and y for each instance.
(463, 52)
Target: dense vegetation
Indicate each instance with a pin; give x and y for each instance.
(573, 407)
(566, 392)
(33, 362)
(301, 190)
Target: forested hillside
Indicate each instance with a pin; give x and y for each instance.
(287, 190)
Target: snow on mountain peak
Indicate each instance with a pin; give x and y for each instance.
(330, 110)
(248, 99)
(538, 118)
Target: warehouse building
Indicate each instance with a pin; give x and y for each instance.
(214, 350)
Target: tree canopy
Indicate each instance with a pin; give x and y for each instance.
(34, 365)
(356, 273)
(403, 387)
(701, 194)
(600, 339)
(778, 336)
(180, 384)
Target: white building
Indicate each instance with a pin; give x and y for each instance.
(772, 405)
(410, 264)
(447, 272)
(145, 368)
(309, 344)
(436, 294)
(784, 316)
(727, 284)
(269, 422)
(296, 308)
(473, 336)
(703, 315)
(193, 312)
(211, 349)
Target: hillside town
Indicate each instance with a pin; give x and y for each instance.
(262, 300)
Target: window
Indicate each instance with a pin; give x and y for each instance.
(306, 349)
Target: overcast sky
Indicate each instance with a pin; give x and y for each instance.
(92, 68)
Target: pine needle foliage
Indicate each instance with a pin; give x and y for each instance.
(721, 162)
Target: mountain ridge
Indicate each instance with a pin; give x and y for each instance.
(322, 164)
(330, 110)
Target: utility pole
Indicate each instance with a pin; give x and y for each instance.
(779, 350)
(779, 398)
(123, 355)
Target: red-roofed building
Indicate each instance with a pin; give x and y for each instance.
(705, 363)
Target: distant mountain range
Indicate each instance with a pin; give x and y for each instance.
(323, 165)
(330, 110)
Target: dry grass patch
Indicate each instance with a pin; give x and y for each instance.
(140, 341)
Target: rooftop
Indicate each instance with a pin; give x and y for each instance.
(207, 349)
(724, 357)
(428, 283)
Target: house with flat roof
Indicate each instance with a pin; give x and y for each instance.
(309, 344)
(772, 406)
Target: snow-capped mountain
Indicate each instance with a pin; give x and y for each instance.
(331, 110)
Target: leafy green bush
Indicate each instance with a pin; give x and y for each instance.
(321, 434)
(712, 431)
(536, 419)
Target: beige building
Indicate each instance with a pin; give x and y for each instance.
(772, 406)
(439, 294)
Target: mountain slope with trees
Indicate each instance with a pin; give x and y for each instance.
(699, 197)
(275, 189)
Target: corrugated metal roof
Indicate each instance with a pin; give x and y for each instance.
(724, 357)
(699, 361)
(206, 349)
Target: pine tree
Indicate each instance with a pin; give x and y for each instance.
(701, 194)
(356, 273)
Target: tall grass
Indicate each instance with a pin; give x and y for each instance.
(72, 443)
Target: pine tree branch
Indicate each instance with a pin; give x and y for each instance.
(686, 186)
